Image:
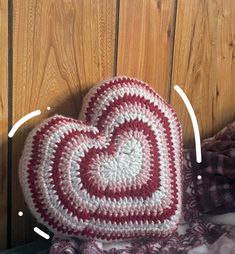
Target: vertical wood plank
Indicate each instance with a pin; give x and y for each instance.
(60, 50)
(204, 64)
(146, 30)
(3, 120)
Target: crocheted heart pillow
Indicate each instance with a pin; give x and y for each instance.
(115, 173)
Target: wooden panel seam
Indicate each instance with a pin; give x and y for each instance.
(9, 157)
(116, 38)
(145, 42)
(204, 64)
(3, 120)
(171, 85)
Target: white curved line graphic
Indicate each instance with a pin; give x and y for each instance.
(194, 122)
(41, 233)
(22, 121)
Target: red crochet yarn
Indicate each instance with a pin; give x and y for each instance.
(115, 173)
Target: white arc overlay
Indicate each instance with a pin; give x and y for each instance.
(41, 233)
(22, 121)
(194, 122)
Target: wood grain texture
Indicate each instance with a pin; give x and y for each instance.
(146, 30)
(60, 49)
(204, 64)
(3, 120)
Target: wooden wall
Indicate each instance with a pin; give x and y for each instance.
(53, 51)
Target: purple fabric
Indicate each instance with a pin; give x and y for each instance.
(216, 189)
(64, 246)
(199, 197)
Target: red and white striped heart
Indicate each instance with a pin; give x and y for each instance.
(115, 173)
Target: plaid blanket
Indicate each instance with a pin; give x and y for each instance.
(214, 178)
(208, 189)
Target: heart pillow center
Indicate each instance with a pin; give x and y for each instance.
(125, 164)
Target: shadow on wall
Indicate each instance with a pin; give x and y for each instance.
(69, 106)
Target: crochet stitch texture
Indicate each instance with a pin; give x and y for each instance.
(113, 174)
